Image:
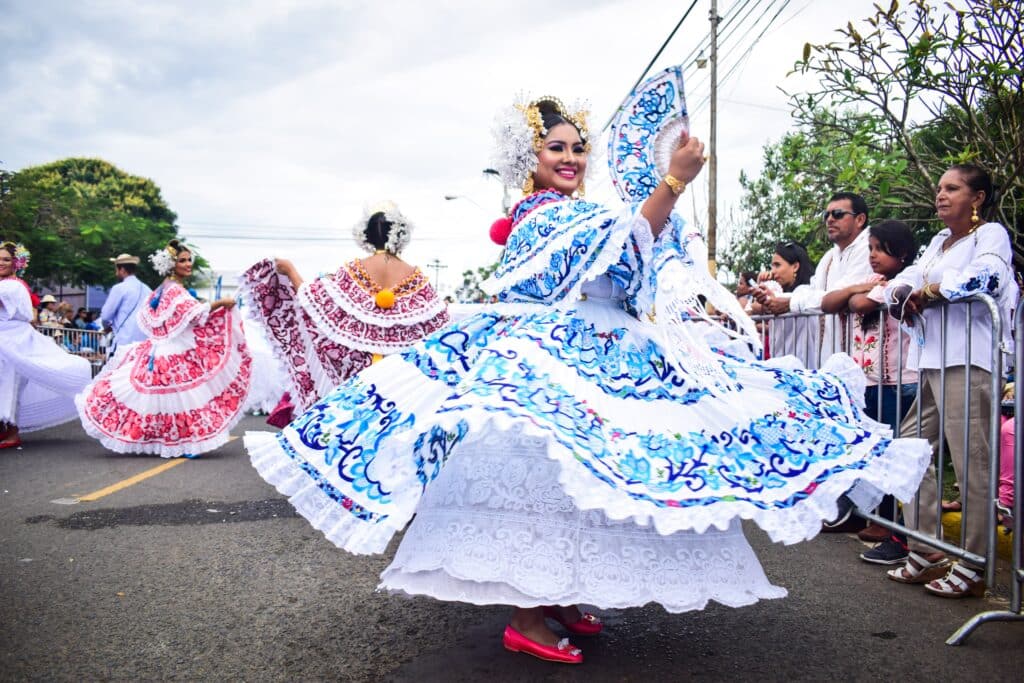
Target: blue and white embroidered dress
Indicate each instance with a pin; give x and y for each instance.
(556, 450)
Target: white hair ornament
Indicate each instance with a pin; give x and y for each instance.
(398, 235)
(163, 260)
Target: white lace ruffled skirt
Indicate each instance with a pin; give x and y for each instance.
(496, 528)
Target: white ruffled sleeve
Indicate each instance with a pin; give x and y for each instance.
(988, 269)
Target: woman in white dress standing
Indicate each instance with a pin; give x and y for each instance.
(38, 379)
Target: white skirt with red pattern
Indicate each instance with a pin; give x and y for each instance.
(180, 391)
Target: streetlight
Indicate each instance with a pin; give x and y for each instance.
(506, 201)
(453, 197)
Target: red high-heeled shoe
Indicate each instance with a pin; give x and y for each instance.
(563, 653)
(587, 625)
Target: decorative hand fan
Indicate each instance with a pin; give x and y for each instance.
(644, 133)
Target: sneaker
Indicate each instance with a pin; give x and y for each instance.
(886, 552)
(845, 506)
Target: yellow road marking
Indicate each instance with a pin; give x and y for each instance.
(131, 481)
(125, 483)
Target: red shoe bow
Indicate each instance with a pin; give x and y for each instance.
(564, 652)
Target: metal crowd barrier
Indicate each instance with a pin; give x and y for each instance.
(89, 344)
(839, 329)
(1014, 612)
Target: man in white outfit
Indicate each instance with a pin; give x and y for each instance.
(845, 264)
(123, 302)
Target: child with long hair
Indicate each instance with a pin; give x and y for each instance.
(877, 338)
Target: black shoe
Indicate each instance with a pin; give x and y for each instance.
(845, 506)
(886, 552)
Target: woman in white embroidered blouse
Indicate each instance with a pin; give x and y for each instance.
(969, 256)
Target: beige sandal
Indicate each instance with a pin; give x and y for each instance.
(960, 582)
(918, 569)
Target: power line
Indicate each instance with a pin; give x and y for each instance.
(748, 51)
(727, 45)
(651, 63)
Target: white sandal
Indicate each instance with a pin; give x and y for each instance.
(960, 582)
(918, 569)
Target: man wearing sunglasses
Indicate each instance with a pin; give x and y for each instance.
(845, 264)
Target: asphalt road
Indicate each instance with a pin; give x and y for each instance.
(203, 572)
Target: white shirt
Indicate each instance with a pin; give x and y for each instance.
(979, 263)
(838, 268)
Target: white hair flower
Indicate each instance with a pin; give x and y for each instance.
(162, 260)
(398, 235)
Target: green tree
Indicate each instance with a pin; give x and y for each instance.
(901, 97)
(74, 214)
(943, 84)
(800, 173)
(469, 291)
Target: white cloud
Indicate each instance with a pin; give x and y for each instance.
(293, 115)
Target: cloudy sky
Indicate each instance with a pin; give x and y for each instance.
(269, 124)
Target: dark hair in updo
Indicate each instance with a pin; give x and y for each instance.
(551, 116)
(178, 247)
(378, 229)
(979, 180)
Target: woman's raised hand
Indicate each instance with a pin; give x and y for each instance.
(285, 267)
(688, 159)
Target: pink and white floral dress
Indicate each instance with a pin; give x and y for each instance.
(178, 392)
(333, 327)
(867, 347)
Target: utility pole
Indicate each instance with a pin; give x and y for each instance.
(712, 145)
(438, 267)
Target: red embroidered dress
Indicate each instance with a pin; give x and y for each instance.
(178, 392)
(332, 327)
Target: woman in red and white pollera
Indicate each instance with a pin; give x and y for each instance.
(179, 392)
(327, 330)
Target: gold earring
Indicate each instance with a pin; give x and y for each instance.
(975, 218)
(528, 185)
(582, 189)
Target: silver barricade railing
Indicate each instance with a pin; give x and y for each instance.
(841, 335)
(89, 344)
(1014, 613)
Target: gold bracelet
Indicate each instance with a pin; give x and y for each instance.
(929, 292)
(675, 184)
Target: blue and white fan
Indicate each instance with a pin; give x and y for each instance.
(644, 133)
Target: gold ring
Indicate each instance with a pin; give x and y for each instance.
(706, 157)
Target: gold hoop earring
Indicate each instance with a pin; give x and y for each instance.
(582, 189)
(528, 184)
(975, 218)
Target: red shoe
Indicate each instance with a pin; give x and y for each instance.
(564, 653)
(10, 444)
(587, 625)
